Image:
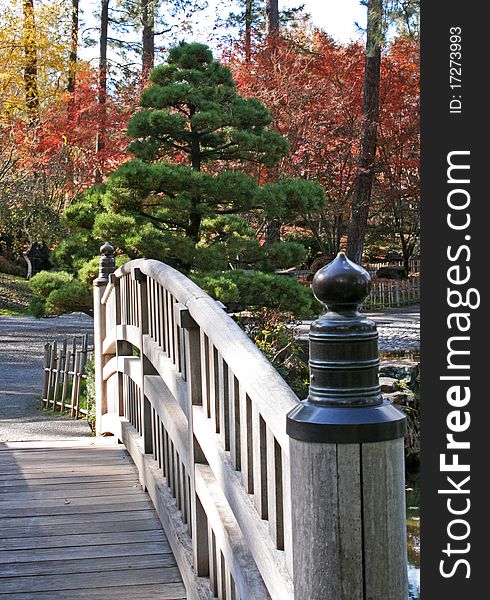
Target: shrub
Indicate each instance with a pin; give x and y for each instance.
(37, 307)
(241, 290)
(271, 334)
(57, 292)
(46, 282)
(70, 297)
(87, 393)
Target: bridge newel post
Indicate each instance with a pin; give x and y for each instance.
(107, 265)
(346, 456)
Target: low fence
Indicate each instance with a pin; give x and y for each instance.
(390, 293)
(64, 369)
(413, 265)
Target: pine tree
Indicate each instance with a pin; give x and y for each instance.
(178, 200)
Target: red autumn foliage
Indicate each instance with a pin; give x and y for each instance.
(64, 139)
(313, 87)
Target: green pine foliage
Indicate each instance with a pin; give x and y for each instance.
(242, 290)
(185, 198)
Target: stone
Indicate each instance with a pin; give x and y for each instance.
(388, 384)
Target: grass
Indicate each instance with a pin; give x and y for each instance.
(15, 295)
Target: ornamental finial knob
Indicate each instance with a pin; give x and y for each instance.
(342, 284)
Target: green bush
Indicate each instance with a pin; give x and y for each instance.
(46, 282)
(70, 297)
(87, 392)
(272, 335)
(57, 292)
(241, 290)
(37, 307)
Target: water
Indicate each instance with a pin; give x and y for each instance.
(413, 531)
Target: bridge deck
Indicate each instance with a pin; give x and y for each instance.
(75, 523)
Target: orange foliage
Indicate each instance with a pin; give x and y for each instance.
(313, 87)
(64, 139)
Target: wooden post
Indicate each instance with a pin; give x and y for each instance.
(198, 518)
(141, 309)
(47, 364)
(106, 266)
(346, 453)
(66, 372)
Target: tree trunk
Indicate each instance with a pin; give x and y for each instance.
(72, 60)
(148, 41)
(273, 232)
(30, 57)
(272, 13)
(363, 182)
(248, 30)
(25, 253)
(102, 96)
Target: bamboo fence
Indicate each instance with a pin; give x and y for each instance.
(64, 369)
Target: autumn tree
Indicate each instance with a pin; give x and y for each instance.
(313, 87)
(30, 210)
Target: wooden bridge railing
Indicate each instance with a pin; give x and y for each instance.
(257, 500)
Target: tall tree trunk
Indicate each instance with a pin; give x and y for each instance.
(248, 30)
(30, 57)
(273, 231)
(272, 13)
(363, 183)
(72, 60)
(148, 41)
(25, 252)
(102, 95)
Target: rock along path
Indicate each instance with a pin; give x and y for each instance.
(22, 342)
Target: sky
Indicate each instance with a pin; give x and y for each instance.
(336, 17)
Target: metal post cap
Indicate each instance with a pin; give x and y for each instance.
(341, 284)
(107, 264)
(344, 403)
(106, 249)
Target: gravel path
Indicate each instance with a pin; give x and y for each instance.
(21, 355)
(398, 328)
(22, 342)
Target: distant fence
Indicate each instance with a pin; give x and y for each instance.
(64, 368)
(413, 265)
(390, 293)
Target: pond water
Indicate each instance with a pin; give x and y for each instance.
(413, 531)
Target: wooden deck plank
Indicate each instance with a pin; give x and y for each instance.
(90, 565)
(82, 539)
(61, 491)
(23, 531)
(82, 552)
(170, 591)
(97, 579)
(74, 519)
(69, 479)
(76, 523)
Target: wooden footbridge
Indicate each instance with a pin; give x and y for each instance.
(216, 481)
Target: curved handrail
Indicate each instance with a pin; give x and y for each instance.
(262, 382)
